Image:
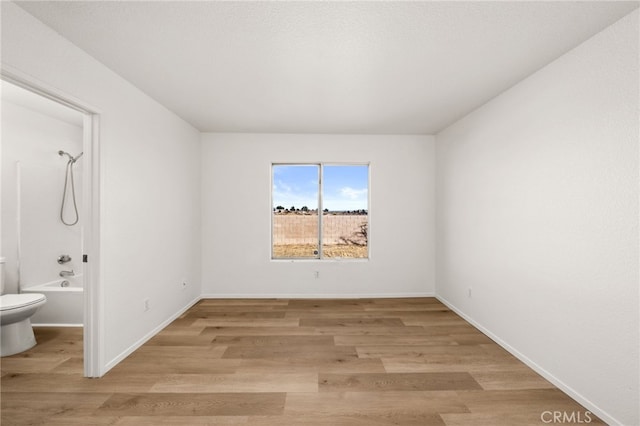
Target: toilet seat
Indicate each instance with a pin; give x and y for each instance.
(17, 301)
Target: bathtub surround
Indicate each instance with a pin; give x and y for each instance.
(33, 179)
(32, 182)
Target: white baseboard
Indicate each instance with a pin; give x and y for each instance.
(115, 361)
(604, 416)
(314, 296)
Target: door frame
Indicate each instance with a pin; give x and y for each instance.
(93, 332)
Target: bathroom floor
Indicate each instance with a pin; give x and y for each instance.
(299, 362)
(59, 350)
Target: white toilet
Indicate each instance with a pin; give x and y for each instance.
(16, 333)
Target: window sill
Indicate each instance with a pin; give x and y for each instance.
(326, 260)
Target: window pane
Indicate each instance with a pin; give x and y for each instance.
(345, 203)
(295, 211)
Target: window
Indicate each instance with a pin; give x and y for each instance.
(320, 211)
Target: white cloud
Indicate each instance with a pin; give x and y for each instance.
(353, 194)
(283, 186)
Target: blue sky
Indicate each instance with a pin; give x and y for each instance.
(345, 186)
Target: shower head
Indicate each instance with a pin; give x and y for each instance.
(61, 153)
(71, 157)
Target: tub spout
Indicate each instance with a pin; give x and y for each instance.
(67, 273)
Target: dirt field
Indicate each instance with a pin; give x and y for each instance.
(306, 250)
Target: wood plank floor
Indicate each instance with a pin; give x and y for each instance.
(296, 362)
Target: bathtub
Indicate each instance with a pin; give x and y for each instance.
(65, 302)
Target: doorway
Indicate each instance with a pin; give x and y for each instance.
(50, 206)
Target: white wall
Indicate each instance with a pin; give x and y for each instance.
(149, 194)
(537, 212)
(33, 139)
(236, 215)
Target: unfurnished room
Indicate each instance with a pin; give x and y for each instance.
(324, 213)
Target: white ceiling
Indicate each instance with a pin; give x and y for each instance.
(325, 67)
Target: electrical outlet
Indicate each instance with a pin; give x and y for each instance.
(184, 284)
(316, 274)
(147, 305)
(469, 292)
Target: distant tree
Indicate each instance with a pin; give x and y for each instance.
(279, 208)
(359, 238)
(364, 232)
(305, 209)
(292, 208)
(326, 210)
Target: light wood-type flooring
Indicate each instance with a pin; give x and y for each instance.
(361, 362)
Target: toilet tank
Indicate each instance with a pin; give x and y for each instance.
(2, 260)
